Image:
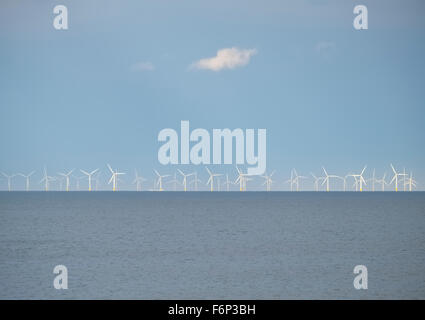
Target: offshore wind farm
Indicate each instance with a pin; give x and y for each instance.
(235, 180)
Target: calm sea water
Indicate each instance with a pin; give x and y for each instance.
(174, 245)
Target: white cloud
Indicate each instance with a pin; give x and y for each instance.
(143, 66)
(228, 58)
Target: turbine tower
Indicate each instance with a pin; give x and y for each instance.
(138, 180)
(382, 181)
(185, 178)
(296, 179)
(195, 181)
(395, 177)
(242, 178)
(89, 174)
(227, 182)
(327, 178)
(211, 179)
(373, 179)
(410, 182)
(66, 176)
(27, 177)
(359, 179)
(174, 182)
(46, 179)
(316, 181)
(268, 181)
(9, 180)
(291, 180)
(114, 178)
(159, 182)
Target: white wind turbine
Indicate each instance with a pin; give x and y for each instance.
(138, 180)
(291, 180)
(195, 181)
(373, 179)
(359, 179)
(211, 179)
(185, 178)
(89, 174)
(242, 178)
(316, 181)
(46, 179)
(268, 181)
(395, 177)
(66, 176)
(327, 178)
(382, 181)
(296, 179)
(248, 178)
(174, 182)
(77, 182)
(404, 179)
(9, 180)
(227, 183)
(114, 178)
(159, 181)
(60, 181)
(218, 184)
(27, 178)
(97, 180)
(410, 182)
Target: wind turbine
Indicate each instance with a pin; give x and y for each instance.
(296, 180)
(66, 176)
(89, 174)
(218, 184)
(360, 180)
(27, 177)
(227, 182)
(268, 181)
(247, 178)
(211, 179)
(114, 178)
(291, 180)
(174, 182)
(316, 181)
(395, 177)
(185, 178)
(96, 178)
(195, 181)
(60, 181)
(77, 182)
(46, 179)
(327, 178)
(159, 182)
(242, 178)
(9, 180)
(138, 180)
(382, 181)
(344, 179)
(410, 182)
(404, 178)
(373, 179)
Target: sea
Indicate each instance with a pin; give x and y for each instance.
(212, 245)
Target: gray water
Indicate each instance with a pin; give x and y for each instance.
(174, 245)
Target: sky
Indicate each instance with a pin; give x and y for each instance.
(101, 91)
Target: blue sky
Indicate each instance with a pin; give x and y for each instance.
(326, 93)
